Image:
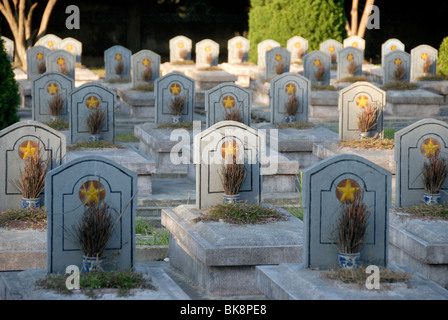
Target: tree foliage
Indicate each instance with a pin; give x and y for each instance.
(442, 63)
(280, 20)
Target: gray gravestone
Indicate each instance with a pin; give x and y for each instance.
(225, 98)
(393, 61)
(351, 101)
(8, 46)
(346, 57)
(73, 46)
(298, 46)
(68, 188)
(18, 142)
(88, 97)
(43, 89)
(262, 47)
(389, 46)
(144, 62)
(325, 186)
(354, 42)
(35, 56)
(281, 90)
(423, 57)
(413, 145)
(180, 48)
(207, 53)
(278, 60)
(238, 50)
(50, 41)
(61, 61)
(332, 47)
(210, 150)
(316, 67)
(117, 58)
(166, 89)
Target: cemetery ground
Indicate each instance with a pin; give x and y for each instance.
(174, 188)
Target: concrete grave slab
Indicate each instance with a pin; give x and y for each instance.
(35, 56)
(316, 66)
(278, 60)
(180, 48)
(117, 59)
(298, 46)
(207, 53)
(238, 50)
(413, 103)
(145, 64)
(262, 48)
(209, 79)
(423, 61)
(61, 61)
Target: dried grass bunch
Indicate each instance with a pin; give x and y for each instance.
(320, 73)
(367, 118)
(427, 65)
(333, 58)
(177, 105)
(41, 67)
(399, 73)
(55, 105)
(240, 55)
(292, 105)
(209, 59)
(147, 74)
(352, 68)
(232, 177)
(183, 54)
(233, 114)
(95, 121)
(63, 69)
(434, 174)
(119, 68)
(280, 68)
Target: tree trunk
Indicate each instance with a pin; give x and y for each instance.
(365, 16)
(354, 15)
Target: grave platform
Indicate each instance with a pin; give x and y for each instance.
(291, 281)
(244, 72)
(145, 167)
(412, 103)
(220, 258)
(421, 244)
(168, 67)
(138, 104)
(205, 80)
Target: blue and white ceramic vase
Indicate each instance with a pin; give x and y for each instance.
(348, 260)
(92, 264)
(176, 119)
(289, 119)
(30, 203)
(431, 199)
(231, 199)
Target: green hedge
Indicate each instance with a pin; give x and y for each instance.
(280, 20)
(442, 62)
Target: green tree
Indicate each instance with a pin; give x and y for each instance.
(280, 20)
(442, 63)
(9, 96)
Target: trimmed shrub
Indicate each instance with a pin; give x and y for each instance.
(442, 61)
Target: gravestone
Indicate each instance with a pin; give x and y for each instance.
(262, 48)
(117, 61)
(212, 146)
(352, 100)
(326, 185)
(355, 42)
(423, 61)
(166, 88)
(331, 47)
(413, 146)
(389, 46)
(281, 90)
(225, 99)
(50, 41)
(238, 50)
(61, 61)
(180, 48)
(349, 56)
(67, 190)
(85, 99)
(73, 46)
(298, 47)
(145, 67)
(35, 60)
(278, 60)
(44, 89)
(8, 46)
(19, 141)
(207, 53)
(393, 62)
(316, 67)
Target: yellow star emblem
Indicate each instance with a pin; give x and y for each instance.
(268, 48)
(146, 62)
(239, 45)
(290, 88)
(40, 56)
(317, 63)
(92, 194)
(362, 101)
(207, 49)
(180, 45)
(118, 57)
(350, 57)
(355, 44)
(278, 57)
(53, 88)
(424, 56)
(348, 191)
(50, 44)
(397, 61)
(28, 151)
(430, 148)
(69, 47)
(331, 49)
(92, 102)
(392, 48)
(175, 89)
(228, 148)
(60, 61)
(297, 45)
(228, 102)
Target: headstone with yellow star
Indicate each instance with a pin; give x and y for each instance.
(141, 62)
(207, 53)
(326, 186)
(389, 46)
(85, 99)
(44, 89)
(352, 101)
(224, 99)
(355, 42)
(8, 46)
(216, 144)
(50, 41)
(114, 56)
(262, 48)
(73, 46)
(298, 46)
(285, 86)
(238, 50)
(35, 56)
(316, 67)
(393, 61)
(167, 88)
(278, 60)
(18, 142)
(61, 61)
(415, 145)
(346, 57)
(331, 47)
(423, 56)
(180, 48)
(80, 183)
